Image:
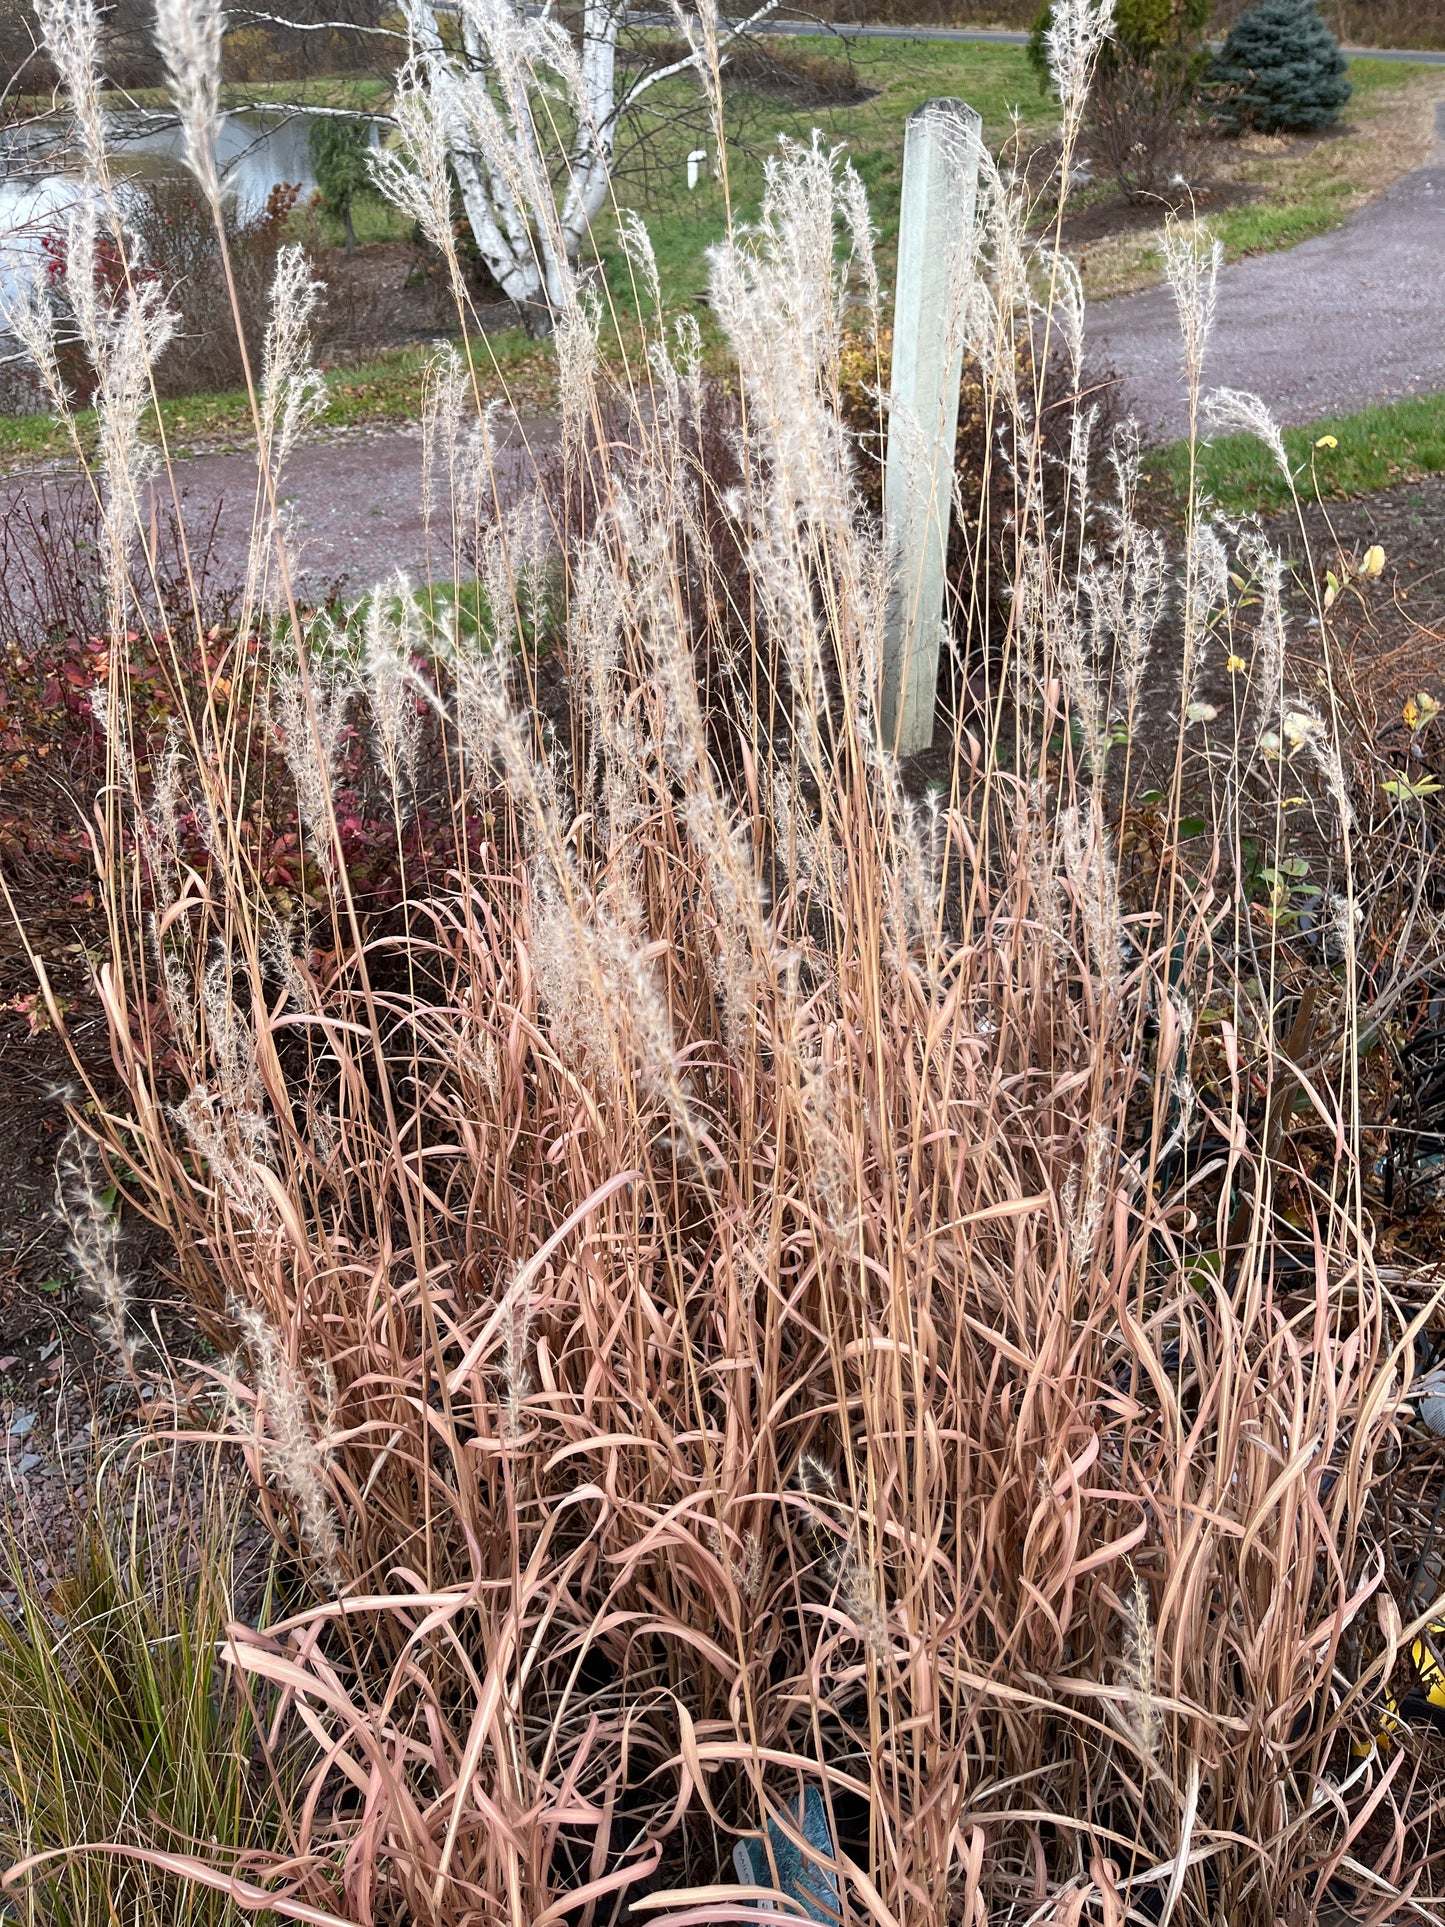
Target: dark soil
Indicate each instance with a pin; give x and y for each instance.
(1392, 628)
(63, 1395)
(392, 294)
(1111, 213)
(1408, 522)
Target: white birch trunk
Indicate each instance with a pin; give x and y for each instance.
(498, 226)
(591, 160)
(531, 250)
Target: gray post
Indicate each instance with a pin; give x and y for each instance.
(935, 236)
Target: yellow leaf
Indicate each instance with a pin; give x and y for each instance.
(1374, 562)
(1326, 441)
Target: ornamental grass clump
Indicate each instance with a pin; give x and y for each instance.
(744, 1272)
(119, 1721)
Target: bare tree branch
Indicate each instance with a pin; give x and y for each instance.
(655, 74)
(310, 111)
(253, 15)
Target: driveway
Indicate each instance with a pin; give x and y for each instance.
(1354, 317)
(354, 505)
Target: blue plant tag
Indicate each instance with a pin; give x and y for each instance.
(814, 1888)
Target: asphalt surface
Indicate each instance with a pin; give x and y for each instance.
(1356, 316)
(353, 507)
(1353, 317)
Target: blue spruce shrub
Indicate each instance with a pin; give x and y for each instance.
(1281, 67)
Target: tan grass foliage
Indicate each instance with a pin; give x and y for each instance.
(728, 1285)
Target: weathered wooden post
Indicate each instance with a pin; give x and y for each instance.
(935, 239)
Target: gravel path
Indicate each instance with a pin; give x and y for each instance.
(355, 505)
(1354, 317)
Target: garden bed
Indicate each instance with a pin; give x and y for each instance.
(1263, 192)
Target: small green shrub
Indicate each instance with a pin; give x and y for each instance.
(338, 154)
(1281, 67)
(1146, 88)
(123, 1734)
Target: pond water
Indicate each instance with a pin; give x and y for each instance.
(256, 150)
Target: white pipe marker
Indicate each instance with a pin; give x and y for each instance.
(941, 147)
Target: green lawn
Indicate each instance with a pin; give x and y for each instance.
(388, 389)
(1299, 195)
(997, 80)
(1376, 448)
(1267, 227)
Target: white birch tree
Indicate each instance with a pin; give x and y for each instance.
(482, 86)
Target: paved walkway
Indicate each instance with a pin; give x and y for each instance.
(1353, 317)
(355, 507)
(354, 502)
(1356, 316)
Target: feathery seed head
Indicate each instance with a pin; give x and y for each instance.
(1141, 1711)
(1077, 31)
(1234, 411)
(1192, 260)
(94, 1235)
(71, 32)
(291, 1449)
(188, 34)
(292, 391)
(390, 640)
(413, 172)
(1089, 865)
(516, 1373)
(310, 716)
